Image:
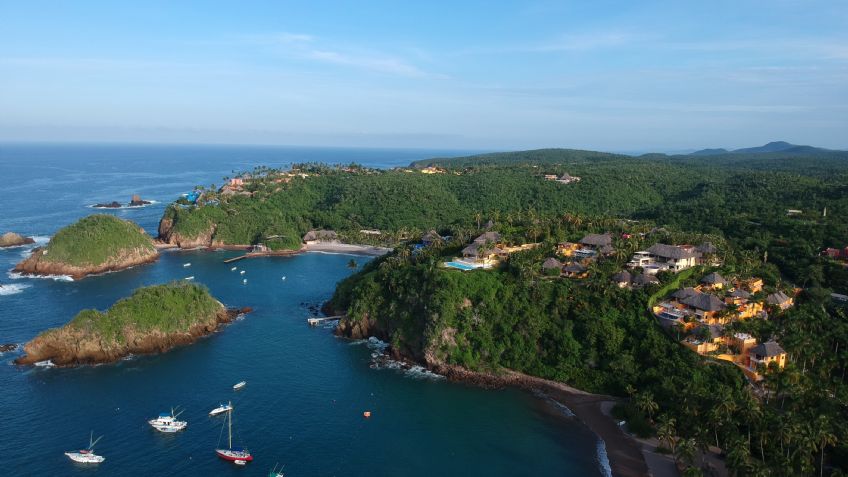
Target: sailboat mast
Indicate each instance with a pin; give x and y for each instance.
(230, 427)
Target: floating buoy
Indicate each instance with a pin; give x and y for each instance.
(366, 414)
(244, 281)
(284, 278)
(234, 269)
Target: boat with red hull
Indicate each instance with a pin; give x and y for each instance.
(237, 455)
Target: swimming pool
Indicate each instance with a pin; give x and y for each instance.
(459, 265)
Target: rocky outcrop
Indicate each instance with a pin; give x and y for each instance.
(137, 201)
(11, 239)
(108, 205)
(37, 264)
(168, 235)
(71, 346)
(8, 347)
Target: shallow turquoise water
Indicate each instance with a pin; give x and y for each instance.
(306, 389)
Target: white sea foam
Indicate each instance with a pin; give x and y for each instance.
(13, 288)
(603, 459)
(379, 360)
(58, 278)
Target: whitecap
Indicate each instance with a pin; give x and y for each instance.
(603, 459)
(58, 278)
(13, 288)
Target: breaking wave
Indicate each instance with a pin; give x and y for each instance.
(58, 278)
(13, 288)
(603, 459)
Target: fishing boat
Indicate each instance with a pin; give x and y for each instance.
(87, 455)
(237, 455)
(239, 385)
(220, 409)
(168, 422)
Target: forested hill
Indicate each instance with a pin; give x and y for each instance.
(803, 160)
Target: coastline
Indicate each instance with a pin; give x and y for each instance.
(625, 454)
(338, 247)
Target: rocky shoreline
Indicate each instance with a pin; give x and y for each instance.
(73, 347)
(624, 453)
(36, 264)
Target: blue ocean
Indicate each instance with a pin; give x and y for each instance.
(306, 389)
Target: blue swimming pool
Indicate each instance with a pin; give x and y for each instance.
(459, 265)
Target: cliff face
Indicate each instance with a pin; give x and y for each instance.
(38, 264)
(168, 235)
(11, 239)
(69, 346)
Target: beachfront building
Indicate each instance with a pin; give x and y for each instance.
(320, 236)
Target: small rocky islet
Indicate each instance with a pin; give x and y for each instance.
(11, 239)
(153, 319)
(94, 244)
(135, 201)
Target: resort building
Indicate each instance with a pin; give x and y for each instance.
(622, 279)
(765, 354)
(714, 281)
(575, 270)
(552, 265)
(665, 257)
(780, 300)
(567, 249)
(644, 279)
(567, 178)
(432, 170)
(320, 236)
(600, 243)
(431, 238)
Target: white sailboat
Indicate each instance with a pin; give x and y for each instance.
(168, 422)
(236, 455)
(87, 455)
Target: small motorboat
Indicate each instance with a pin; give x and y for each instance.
(234, 269)
(190, 278)
(186, 264)
(239, 385)
(220, 409)
(240, 462)
(242, 272)
(168, 422)
(244, 281)
(284, 277)
(87, 455)
(45, 364)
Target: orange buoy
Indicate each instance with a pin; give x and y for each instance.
(366, 414)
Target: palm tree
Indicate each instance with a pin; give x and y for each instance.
(738, 456)
(666, 431)
(352, 264)
(645, 403)
(685, 451)
(823, 437)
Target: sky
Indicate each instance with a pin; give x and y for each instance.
(604, 75)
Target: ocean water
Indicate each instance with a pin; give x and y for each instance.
(306, 389)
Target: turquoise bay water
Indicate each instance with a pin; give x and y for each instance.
(306, 389)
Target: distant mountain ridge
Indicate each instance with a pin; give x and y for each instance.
(774, 146)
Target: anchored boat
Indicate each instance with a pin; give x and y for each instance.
(222, 408)
(239, 385)
(236, 455)
(168, 422)
(87, 455)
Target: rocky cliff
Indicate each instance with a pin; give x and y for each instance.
(11, 239)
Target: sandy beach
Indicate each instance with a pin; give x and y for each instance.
(336, 247)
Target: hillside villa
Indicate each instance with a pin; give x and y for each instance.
(486, 251)
(320, 236)
(665, 257)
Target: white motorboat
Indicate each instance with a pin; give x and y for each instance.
(168, 422)
(87, 455)
(186, 264)
(234, 269)
(239, 385)
(190, 278)
(221, 409)
(242, 272)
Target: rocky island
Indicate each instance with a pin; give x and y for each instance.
(136, 201)
(153, 319)
(94, 244)
(11, 239)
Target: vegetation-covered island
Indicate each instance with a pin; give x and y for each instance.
(94, 244)
(707, 292)
(153, 319)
